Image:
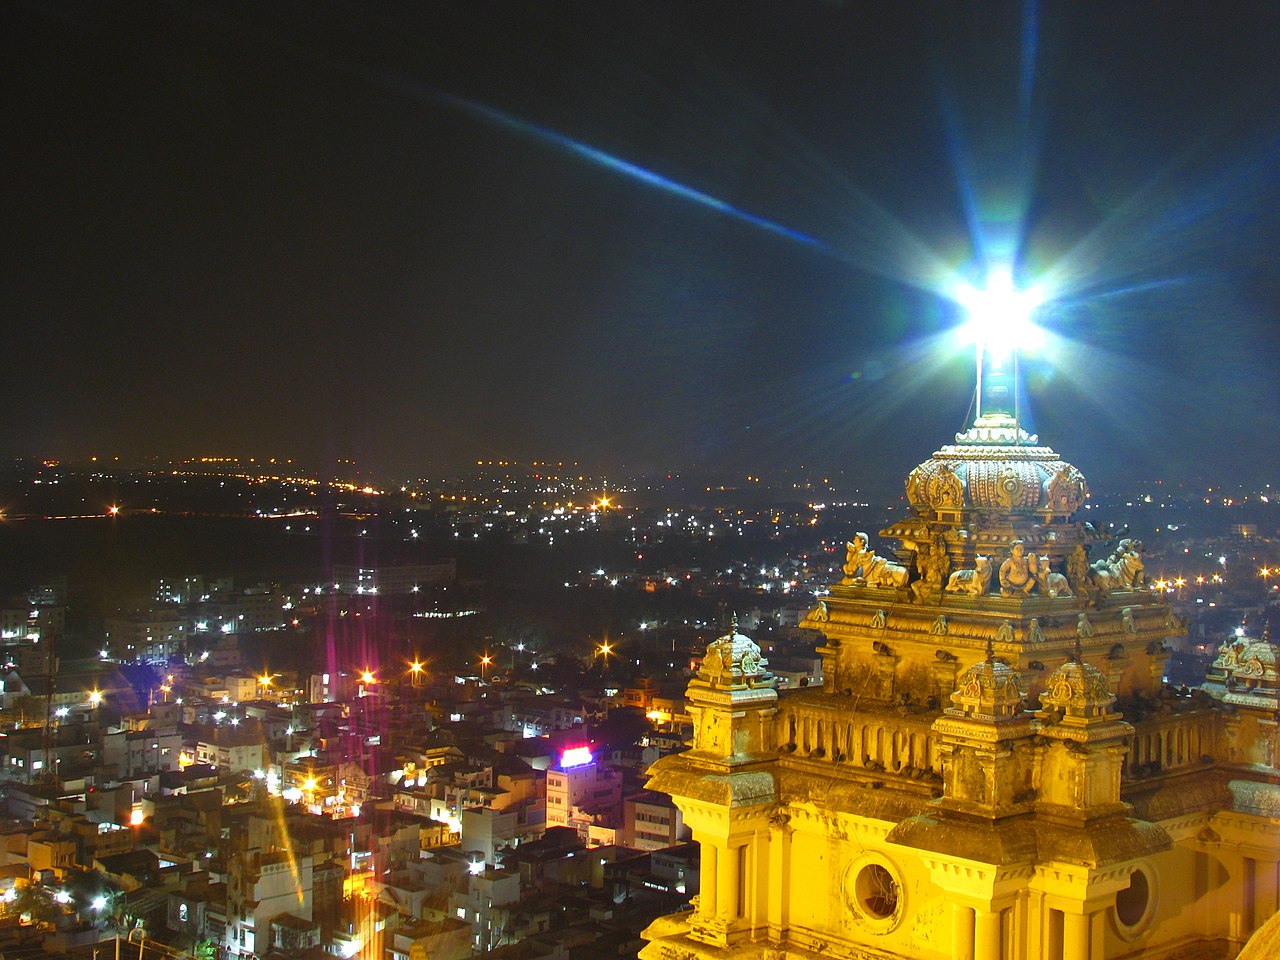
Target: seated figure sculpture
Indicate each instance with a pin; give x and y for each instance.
(1020, 574)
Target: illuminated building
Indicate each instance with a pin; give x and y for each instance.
(652, 822)
(264, 886)
(582, 793)
(993, 767)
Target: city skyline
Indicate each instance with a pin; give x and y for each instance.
(642, 237)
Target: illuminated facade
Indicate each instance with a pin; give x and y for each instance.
(582, 793)
(993, 767)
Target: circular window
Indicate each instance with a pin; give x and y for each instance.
(874, 893)
(1135, 904)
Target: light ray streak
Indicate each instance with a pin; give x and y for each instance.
(634, 171)
(1165, 224)
(1030, 47)
(882, 244)
(875, 241)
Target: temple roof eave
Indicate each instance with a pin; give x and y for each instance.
(1029, 839)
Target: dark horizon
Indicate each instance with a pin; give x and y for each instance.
(642, 237)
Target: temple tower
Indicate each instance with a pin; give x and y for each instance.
(993, 767)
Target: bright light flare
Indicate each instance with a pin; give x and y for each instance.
(1000, 314)
(575, 757)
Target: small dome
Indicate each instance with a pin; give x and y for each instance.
(989, 690)
(732, 658)
(994, 465)
(1079, 689)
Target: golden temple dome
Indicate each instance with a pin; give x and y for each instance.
(995, 465)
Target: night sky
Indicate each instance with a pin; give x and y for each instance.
(644, 236)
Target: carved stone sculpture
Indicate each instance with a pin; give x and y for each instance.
(973, 582)
(1019, 574)
(1055, 584)
(944, 488)
(864, 568)
(1122, 570)
(1078, 569)
(1067, 490)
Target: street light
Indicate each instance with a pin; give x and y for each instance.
(415, 668)
(485, 660)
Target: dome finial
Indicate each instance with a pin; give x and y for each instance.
(991, 650)
(1077, 655)
(733, 623)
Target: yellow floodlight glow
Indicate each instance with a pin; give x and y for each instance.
(1000, 314)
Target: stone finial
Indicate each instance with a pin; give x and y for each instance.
(1079, 689)
(733, 658)
(989, 690)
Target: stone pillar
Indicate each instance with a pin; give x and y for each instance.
(779, 878)
(729, 884)
(1241, 911)
(1157, 663)
(757, 879)
(886, 673)
(1264, 891)
(1075, 936)
(1115, 671)
(987, 934)
(1035, 913)
(707, 882)
(962, 924)
(944, 674)
(1098, 933)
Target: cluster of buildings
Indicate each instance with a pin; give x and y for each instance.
(255, 816)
